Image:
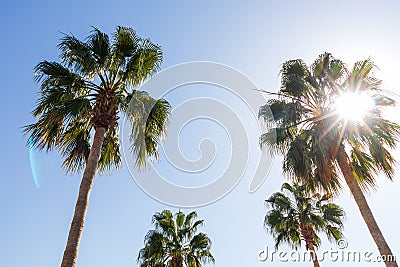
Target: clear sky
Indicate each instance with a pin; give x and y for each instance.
(253, 37)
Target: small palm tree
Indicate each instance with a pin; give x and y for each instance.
(77, 111)
(320, 144)
(300, 217)
(175, 242)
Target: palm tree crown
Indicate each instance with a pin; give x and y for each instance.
(319, 144)
(299, 217)
(175, 242)
(310, 130)
(88, 89)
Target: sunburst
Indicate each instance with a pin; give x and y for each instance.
(354, 106)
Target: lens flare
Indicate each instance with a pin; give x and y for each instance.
(32, 161)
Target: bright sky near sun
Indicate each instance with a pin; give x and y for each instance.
(254, 37)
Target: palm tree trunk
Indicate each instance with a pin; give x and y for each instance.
(177, 261)
(314, 256)
(308, 234)
(75, 231)
(366, 213)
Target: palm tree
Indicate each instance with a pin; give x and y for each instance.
(300, 217)
(175, 243)
(80, 99)
(319, 143)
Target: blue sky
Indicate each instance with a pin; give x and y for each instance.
(254, 38)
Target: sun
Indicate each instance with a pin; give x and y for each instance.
(353, 106)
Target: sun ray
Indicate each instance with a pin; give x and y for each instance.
(330, 127)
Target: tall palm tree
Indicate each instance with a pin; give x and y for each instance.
(300, 217)
(320, 144)
(175, 242)
(80, 99)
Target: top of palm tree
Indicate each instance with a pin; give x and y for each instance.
(308, 128)
(299, 216)
(175, 241)
(95, 80)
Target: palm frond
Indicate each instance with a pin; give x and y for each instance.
(143, 63)
(126, 43)
(149, 118)
(77, 55)
(75, 146)
(110, 157)
(100, 49)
